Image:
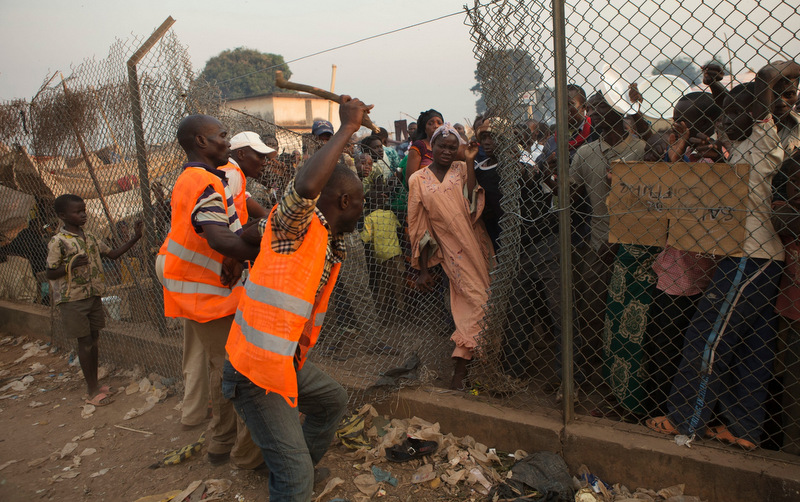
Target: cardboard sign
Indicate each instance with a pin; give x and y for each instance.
(696, 206)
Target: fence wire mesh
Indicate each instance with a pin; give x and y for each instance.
(677, 265)
(681, 143)
(77, 136)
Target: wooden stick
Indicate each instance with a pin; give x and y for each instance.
(105, 119)
(316, 91)
(134, 430)
(769, 44)
(92, 173)
(730, 56)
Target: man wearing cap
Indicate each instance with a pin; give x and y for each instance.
(323, 130)
(248, 159)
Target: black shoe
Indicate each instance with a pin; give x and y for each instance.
(321, 474)
(218, 458)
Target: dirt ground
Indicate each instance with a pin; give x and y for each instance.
(54, 447)
(112, 464)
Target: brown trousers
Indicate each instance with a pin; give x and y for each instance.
(228, 432)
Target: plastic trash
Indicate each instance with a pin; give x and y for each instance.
(682, 440)
(383, 476)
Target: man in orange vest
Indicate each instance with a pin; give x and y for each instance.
(200, 254)
(248, 157)
(268, 376)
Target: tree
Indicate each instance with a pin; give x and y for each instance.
(681, 67)
(514, 69)
(243, 72)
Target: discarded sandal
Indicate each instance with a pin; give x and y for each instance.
(722, 433)
(662, 425)
(100, 399)
(410, 449)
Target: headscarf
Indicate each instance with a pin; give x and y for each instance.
(446, 130)
(422, 121)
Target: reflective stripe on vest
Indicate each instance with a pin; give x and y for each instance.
(278, 299)
(198, 259)
(266, 341)
(319, 319)
(187, 287)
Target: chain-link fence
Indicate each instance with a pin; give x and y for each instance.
(667, 295)
(78, 135)
(683, 279)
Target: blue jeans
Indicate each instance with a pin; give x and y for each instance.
(290, 450)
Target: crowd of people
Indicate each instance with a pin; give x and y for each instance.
(686, 339)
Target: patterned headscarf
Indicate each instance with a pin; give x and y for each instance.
(446, 130)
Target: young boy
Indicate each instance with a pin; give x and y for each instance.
(682, 276)
(729, 347)
(786, 118)
(487, 177)
(74, 266)
(380, 229)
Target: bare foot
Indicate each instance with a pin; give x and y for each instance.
(459, 373)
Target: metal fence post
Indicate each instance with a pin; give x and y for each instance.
(141, 153)
(562, 139)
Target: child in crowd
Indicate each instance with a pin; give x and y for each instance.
(363, 164)
(381, 174)
(783, 113)
(787, 223)
(75, 268)
(380, 230)
(681, 275)
(487, 176)
(729, 348)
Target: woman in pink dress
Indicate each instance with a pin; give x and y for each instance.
(444, 207)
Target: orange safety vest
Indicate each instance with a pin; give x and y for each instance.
(192, 285)
(239, 199)
(280, 314)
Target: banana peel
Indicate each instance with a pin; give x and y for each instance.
(175, 457)
(352, 434)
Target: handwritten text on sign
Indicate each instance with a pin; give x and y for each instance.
(696, 206)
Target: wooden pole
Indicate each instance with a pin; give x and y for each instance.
(333, 88)
(141, 161)
(105, 119)
(89, 165)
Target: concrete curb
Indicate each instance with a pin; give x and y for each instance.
(625, 454)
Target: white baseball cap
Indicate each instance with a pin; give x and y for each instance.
(251, 139)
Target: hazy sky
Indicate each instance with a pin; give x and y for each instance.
(406, 72)
(402, 73)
